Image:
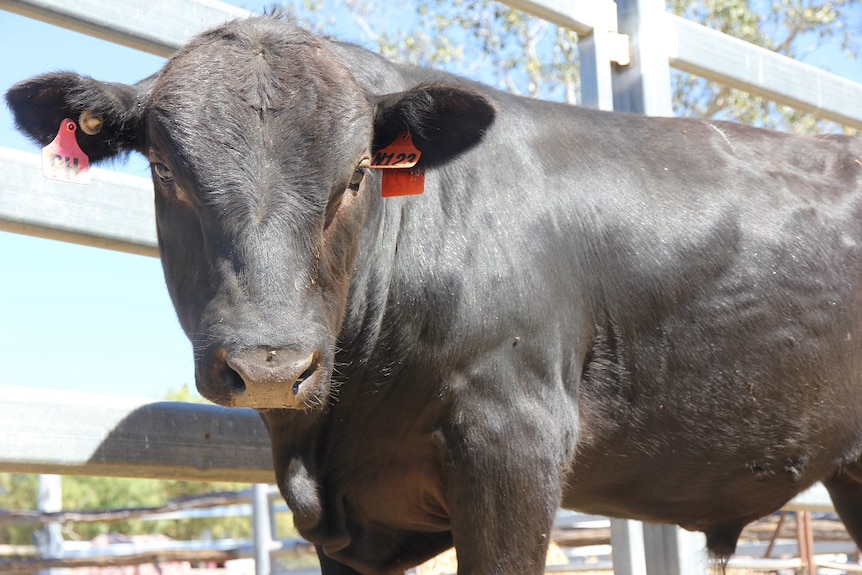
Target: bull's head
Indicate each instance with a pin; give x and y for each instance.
(259, 138)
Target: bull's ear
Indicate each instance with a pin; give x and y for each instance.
(113, 114)
(444, 120)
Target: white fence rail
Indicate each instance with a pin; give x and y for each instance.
(159, 27)
(115, 211)
(715, 56)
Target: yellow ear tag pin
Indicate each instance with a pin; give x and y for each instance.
(395, 160)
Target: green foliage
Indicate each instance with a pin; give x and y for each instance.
(102, 493)
(18, 492)
(527, 55)
(186, 395)
(478, 39)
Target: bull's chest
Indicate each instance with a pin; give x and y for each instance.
(375, 473)
(402, 493)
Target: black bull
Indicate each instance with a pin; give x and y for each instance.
(637, 317)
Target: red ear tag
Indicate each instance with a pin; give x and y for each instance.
(402, 183)
(395, 160)
(63, 159)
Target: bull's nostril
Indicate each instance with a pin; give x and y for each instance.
(233, 380)
(309, 371)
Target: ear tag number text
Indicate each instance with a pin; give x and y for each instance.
(63, 159)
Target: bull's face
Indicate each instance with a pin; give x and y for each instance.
(260, 141)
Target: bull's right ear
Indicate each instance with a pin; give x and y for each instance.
(113, 115)
(443, 119)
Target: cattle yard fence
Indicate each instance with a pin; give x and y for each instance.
(626, 51)
(580, 542)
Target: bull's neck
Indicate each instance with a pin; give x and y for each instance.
(370, 284)
(375, 266)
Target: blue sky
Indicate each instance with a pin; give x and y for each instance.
(77, 318)
(71, 317)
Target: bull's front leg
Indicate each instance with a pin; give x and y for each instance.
(506, 472)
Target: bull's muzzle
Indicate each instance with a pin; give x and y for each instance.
(264, 378)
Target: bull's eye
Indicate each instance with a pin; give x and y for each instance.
(163, 172)
(356, 178)
(359, 174)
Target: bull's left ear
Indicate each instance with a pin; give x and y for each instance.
(111, 112)
(444, 120)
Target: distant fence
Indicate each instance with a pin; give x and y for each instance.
(580, 542)
(138, 550)
(626, 51)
